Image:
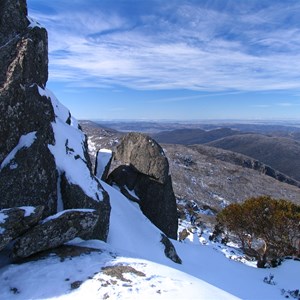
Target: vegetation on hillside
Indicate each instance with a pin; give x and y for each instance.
(268, 229)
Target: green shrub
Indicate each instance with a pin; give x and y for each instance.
(275, 223)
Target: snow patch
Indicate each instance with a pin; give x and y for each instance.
(60, 110)
(53, 217)
(3, 217)
(131, 231)
(92, 146)
(33, 23)
(29, 210)
(103, 158)
(68, 150)
(60, 204)
(132, 193)
(69, 157)
(13, 166)
(25, 142)
(84, 277)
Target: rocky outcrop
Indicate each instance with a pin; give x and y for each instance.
(43, 153)
(15, 221)
(142, 173)
(55, 231)
(23, 66)
(170, 250)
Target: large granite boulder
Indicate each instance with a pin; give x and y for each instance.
(142, 173)
(145, 154)
(15, 221)
(43, 153)
(55, 231)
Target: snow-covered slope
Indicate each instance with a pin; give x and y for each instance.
(132, 234)
(132, 266)
(69, 148)
(82, 278)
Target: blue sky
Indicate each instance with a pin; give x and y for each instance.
(176, 59)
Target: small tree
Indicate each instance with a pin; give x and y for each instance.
(275, 222)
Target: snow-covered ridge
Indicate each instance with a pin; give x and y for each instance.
(68, 149)
(25, 142)
(61, 112)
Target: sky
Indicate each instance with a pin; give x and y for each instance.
(174, 60)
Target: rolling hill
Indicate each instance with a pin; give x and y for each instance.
(280, 153)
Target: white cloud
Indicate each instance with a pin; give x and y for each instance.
(287, 104)
(194, 97)
(280, 104)
(199, 49)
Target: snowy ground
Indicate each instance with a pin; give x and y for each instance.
(132, 266)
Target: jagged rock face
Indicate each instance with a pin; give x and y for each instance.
(12, 18)
(15, 221)
(55, 231)
(24, 65)
(40, 142)
(143, 168)
(24, 48)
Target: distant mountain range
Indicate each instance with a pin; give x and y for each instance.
(278, 147)
(279, 128)
(209, 175)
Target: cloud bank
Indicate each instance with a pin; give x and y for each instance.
(194, 45)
